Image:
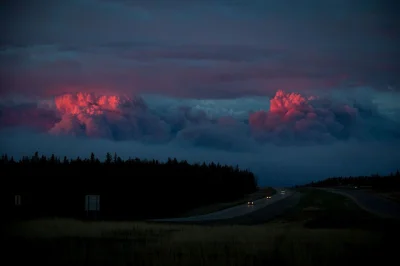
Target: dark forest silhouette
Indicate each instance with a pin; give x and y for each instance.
(380, 182)
(128, 189)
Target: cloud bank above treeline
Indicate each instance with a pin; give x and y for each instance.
(285, 139)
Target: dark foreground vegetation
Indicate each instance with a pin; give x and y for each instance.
(128, 189)
(380, 182)
(323, 229)
(319, 209)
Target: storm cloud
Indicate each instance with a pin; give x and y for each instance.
(287, 119)
(292, 90)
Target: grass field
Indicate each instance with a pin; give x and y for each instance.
(263, 192)
(288, 240)
(321, 209)
(391, 195)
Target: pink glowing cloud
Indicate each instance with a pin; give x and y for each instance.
(291, 119)
(111, 117)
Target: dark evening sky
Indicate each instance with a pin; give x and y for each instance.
(294, 90)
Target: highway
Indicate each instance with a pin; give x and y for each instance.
(263, 209)
(380, 206)
(267, 209)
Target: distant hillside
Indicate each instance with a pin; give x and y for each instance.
(385, 182)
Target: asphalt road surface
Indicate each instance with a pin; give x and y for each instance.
(372, 203)
(262, 211)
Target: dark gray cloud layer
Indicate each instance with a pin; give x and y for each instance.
(198, 48)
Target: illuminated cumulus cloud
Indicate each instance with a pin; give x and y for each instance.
(293, 118)
(122, 118)
(288, 119)
(112, 117)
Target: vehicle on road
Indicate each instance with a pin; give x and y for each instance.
(250, 203)
(268, 197)
(283, 192)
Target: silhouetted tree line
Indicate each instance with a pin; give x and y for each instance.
(383, 182)
(128, 189)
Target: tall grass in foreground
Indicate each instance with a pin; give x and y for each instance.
(69, 242)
